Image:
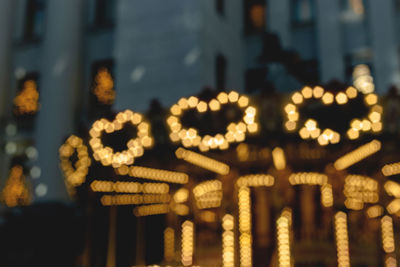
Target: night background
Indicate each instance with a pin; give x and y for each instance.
(199, 133)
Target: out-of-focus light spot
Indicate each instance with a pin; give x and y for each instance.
(192, 57)
(181, 196)
(41, 190)
(138, 73)
(327, 98)
(59, 67)
(31, 152)
(19, 73)
(362, 78)
(375, 211)
(278, 156)
(35, 172)
(11, 148)
(11, 129)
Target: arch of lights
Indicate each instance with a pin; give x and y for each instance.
(156, 198)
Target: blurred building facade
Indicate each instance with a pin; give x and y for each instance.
(84, 56)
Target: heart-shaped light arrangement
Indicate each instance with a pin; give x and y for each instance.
(310, 129)
(135, 146)
(236, 132)
(75, 173)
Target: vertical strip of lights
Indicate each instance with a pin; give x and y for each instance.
(228, 241)
(187, 243)
(245, 239)
(388, 244)
(169, 244)
(342, 239)
(283, 232)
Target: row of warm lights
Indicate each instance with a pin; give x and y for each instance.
(391, 169)
(206, 187)
(308, 178)
(327, 98)
(342, 239)
(387, 234)
(236, 132)
(375, 211)
(169, 244)
(279, 159)
(255, 180)
(371, 124)
(75, 174)
(283, 240)
(202, 161)
(209, 200)
(359, 190)
(148, 210)
(311, 131)
(104, 87)
(154, 174)
(187, 243)
(326, 195)
(16, 191)
(27, 100)
(129, 187)
(135, 147)
(362, 79)
(357, 155)
(228, 241)
(135, 199)
(245, 240)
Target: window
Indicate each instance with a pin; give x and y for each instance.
(220, 6)
(104, 13)
(254, 16)
(303, 12)
(220, 72)
(34, 20)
